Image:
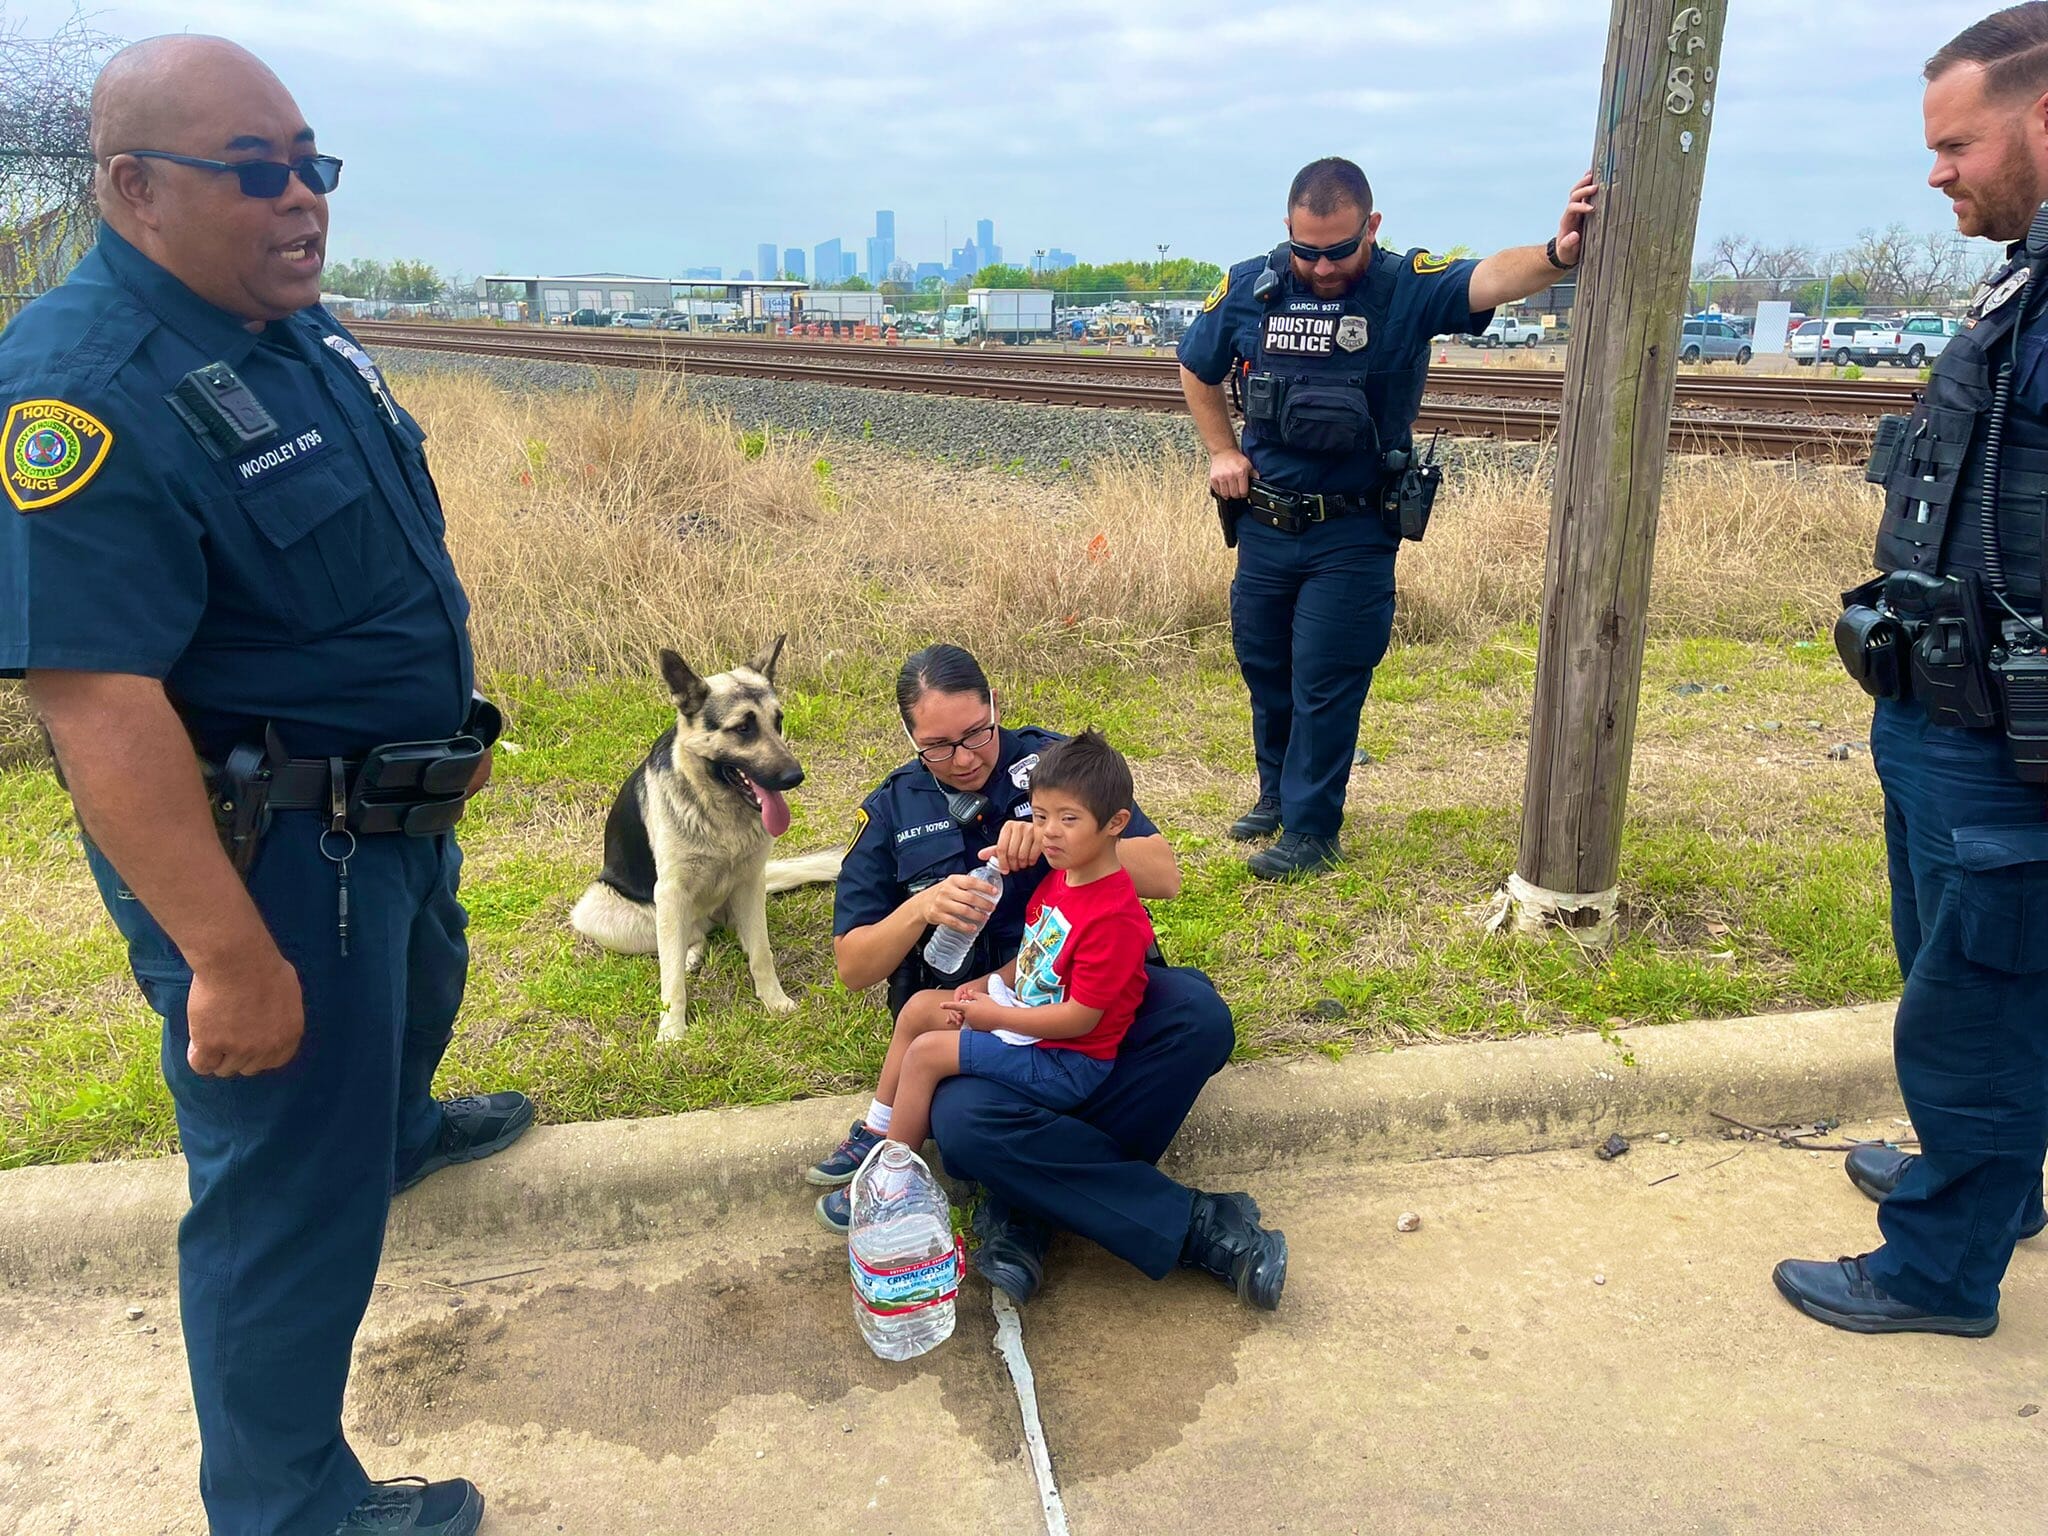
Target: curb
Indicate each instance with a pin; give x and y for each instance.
(610, 1183)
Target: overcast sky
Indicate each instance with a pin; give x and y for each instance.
(523, 136)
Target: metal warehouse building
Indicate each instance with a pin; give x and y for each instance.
(550, 298)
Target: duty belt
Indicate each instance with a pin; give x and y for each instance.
(1296, 511)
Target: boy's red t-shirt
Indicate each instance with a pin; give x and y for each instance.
(1086, 944)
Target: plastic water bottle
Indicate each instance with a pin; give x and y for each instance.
(903, 1255)
(946, 950)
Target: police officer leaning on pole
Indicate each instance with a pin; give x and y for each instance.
(1327, 340)
(1951, 641)
(228, 590)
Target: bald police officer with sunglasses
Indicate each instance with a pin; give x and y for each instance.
(1327, 340)
(223, 576)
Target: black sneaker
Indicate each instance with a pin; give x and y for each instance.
(471, 1127)
(1225, 1238)
(1262, 820)
(1010, 1253)
(1876, 1170)
(845, 1162)
(412, 1506)
(1843, 1295)
(1294, 855)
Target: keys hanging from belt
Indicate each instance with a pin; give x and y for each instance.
(338, 829)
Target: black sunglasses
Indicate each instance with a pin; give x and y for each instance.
(264, 178)
(1341, 251)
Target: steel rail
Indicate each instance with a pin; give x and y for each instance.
(1463, 402)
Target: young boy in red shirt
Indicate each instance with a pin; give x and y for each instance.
(1049, 1022)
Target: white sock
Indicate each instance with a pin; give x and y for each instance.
(879, 1115)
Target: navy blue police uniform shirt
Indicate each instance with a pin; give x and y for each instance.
(904, 840)
(301, 580)
(1430, 297)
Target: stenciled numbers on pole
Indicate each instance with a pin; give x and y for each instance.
(1683, 87)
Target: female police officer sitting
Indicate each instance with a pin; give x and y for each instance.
(964, 796)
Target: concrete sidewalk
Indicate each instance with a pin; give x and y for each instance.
(1476, 1376)
(627, 1181)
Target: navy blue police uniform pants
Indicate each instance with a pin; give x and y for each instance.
(291, 1171)
(1968, 850)
(1091, 1171)
(1310, 617)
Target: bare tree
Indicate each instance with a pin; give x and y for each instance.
(46, 198)
(1743, 271)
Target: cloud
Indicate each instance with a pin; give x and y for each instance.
(614, 134)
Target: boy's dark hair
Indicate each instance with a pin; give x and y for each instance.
(1088, 768)
(938, 668)
(2011, 44)
(1323, 186)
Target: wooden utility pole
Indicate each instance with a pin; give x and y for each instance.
(1650, 148)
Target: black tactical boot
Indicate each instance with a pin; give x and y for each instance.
(1262, 820)
(1876, 1170)
(1225, 1238)
(1011, 1252)
(1296, 854)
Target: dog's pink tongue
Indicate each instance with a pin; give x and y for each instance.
(774, 810)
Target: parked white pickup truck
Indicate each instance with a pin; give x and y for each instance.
(1922, 337)
(1508, 332)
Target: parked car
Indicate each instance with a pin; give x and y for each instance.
(674, 320)
(1506, 331)
(635, 319)
(1922, 337)
(589, 317)
(1711, 341)
(1838, 342)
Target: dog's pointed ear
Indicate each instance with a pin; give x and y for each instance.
(765, 662)
(688, 688)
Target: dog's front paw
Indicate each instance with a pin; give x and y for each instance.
(671, 1025)
(693, 959)
(779, 1003)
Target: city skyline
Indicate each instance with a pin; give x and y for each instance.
(547, 141)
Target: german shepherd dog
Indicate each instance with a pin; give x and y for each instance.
(686, 844)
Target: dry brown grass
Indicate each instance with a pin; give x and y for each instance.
(644, 524)
(593, 528)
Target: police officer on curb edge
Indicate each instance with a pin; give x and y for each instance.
(1953, 642)
(225, 582)
(964, 795)
(1327, 342)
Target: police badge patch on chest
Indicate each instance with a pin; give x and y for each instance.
(1991, 297)
(1020, 771)
(1352, 332)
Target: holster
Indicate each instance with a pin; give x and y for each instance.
(1951, 645)
(239, 789)
(1228, 510)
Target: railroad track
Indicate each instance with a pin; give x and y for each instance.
(1712, 415)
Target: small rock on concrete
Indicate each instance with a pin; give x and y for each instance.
(1599, 1279)
(1663, 1136)
(1611, 1148)
(391, 1438)
(1408, 1221)
(2030, 1410)
(135, 1314)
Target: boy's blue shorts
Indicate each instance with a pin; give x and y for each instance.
(1057, 1078)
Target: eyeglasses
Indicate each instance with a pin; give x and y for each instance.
(973, 741)
(260, 178)
(1341, 251)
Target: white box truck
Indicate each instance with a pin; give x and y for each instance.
(1014, 315)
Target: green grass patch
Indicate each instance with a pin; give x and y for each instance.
(1752, 880)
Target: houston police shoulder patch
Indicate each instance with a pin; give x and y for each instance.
(52, 451)
(1216, 294)
(1428, 265)
(860, 826)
